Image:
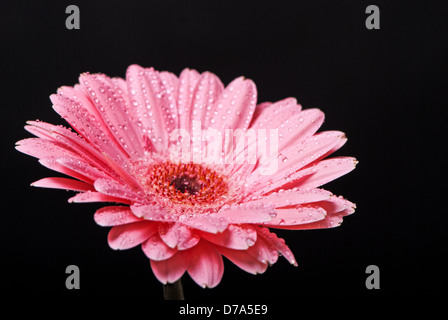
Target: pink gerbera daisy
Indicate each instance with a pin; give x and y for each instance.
(195, 170)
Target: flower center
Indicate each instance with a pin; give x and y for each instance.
(185, 186)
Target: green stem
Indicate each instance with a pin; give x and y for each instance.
(173, 291)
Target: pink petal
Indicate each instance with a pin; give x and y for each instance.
(170, 270)
(44, 131)
(187, 83)
(206, 93)
(311, 176)
(296, 216)
(152, 212)
(240, 98)
(207, 223)
(130, 235)
(247, 213)
(272, 115)
(79, 94)
(170, 82)
(119, 190)
(155, 249)
(114, 216)
(278, 243)
(330, 221)
(325, 171)
(295, 157)
(133, 114)
(336, 207)
(263, 252)
(41, 148)
(234, 237)
(71, 141)
(93, 196)
(62, 183)
(121, 172)
(53, 164)
(155, 106)
(61, 135)
(244, 260)
(259, 110)
(310, 150)
(121, 84)
(169, 233)
(176, 235)
(82, 167)
(337, 204)
(285, 116)
(255, 259)
(112, 109)
(293, 125)
(291, 197)
(206, 268)
(335, 148)
(300, 126)
(68, 104)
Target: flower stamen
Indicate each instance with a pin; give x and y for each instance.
(185, 186)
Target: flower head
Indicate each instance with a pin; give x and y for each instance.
(194, 170)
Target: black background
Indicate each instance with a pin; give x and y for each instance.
(383, 88)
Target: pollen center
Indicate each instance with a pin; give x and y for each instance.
(185, 186)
